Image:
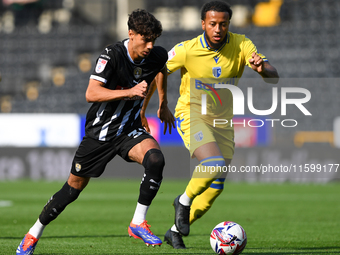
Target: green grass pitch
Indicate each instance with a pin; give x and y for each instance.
(278, 218)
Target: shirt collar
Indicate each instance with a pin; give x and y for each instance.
(126, 46)
(205, 44)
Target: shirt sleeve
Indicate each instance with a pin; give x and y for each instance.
(103, 69)
(248, 49)
(164, 58)
(176, 58)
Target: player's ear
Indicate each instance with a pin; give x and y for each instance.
(131, 34)
(203, 24)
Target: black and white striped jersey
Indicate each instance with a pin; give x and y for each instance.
(115, 68)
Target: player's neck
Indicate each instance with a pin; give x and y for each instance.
(134, 57)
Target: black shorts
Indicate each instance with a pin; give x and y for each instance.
(93, 155)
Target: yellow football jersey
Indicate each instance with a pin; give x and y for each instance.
(202, 67)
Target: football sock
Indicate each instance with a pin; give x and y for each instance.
(37, 229)
(174, 229)
(153, 163)
(57, 203)
(202, 203)
(185, 200)
(208, 170)
(140, 214)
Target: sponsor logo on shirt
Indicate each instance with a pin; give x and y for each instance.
(105, 56)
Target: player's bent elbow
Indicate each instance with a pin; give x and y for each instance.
(270, 74)
(276, 78)
(272, 80)
(271, 77)
(89, 98)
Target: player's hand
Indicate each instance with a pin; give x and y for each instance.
(139, 90)
(145, 123)
(256, 63)
(166, 117)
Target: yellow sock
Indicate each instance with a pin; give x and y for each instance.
(197, 185)
(202, 203)
(204, 174)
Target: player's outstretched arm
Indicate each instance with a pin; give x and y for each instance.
(264, 68)
(152, 89)
(164, 113)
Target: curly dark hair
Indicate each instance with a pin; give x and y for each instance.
(144, 23)
(217, 6)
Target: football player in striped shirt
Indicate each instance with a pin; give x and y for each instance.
(117, 89)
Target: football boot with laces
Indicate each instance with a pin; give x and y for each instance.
(174, 239)
(182, 214)
(144, 233)
(27, 245)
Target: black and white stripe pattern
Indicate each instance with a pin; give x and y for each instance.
(116, 70)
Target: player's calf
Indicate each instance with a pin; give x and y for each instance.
(57, 203)
(153, 163)
(203, 202)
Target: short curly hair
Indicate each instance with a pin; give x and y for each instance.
(144, 23)
(217, 6)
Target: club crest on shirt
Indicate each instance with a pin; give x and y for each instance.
(217, 71)
(137, 72)
(101, 65)
(78, 167)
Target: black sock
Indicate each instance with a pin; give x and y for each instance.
(57, 203)
(154, 163)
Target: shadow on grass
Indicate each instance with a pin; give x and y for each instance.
(280, 251)
(190, 249)
(75, 236)
(210, 253)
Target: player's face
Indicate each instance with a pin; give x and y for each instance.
(216, 26)
(139, 46)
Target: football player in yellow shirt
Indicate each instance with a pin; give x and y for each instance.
(218, 56)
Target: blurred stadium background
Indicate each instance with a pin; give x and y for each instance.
(48, 49)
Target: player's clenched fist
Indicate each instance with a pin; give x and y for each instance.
(139, 90)
(256, 63)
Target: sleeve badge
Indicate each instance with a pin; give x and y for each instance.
(101, 65)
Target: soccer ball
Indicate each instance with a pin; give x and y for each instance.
(228, 238)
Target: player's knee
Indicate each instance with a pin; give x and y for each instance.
(208, 170)
(154, 163)
(214, 167)
(217, 161)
